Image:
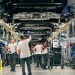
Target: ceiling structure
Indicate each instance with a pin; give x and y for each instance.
(41, 17)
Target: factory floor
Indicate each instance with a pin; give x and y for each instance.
(38, 71)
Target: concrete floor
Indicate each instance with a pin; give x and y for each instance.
(39, 71)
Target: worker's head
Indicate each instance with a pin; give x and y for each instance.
(38, 42)
(22, 37)
(12, 39)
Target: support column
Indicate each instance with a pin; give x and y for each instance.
(7, 35)
(3, 35)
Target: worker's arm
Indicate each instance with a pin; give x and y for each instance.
(30, 37)
(18, 49)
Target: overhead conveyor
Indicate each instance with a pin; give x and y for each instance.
(61, 28)
(5, 26)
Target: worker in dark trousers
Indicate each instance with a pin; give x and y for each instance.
(45, 55)
(38, 50)
(7, 59)
(12, 56)
(24, 52)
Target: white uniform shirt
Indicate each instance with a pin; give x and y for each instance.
(12, 47)
(24, 48)
(38, 49)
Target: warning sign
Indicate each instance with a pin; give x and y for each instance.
(55, 43)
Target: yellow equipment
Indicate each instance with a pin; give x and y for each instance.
(0, 63)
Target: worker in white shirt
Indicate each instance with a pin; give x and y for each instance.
(38, 50)
(24, 52)
(12, 55)
(45, 54)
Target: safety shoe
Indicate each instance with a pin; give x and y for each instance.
(29, 73)
(12, 70)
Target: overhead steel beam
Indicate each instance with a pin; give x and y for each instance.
(5, 26)
(37, 4)
(9, 29)
(36, 21)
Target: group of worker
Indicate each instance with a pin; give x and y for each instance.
(22, 50)
(40, 50)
